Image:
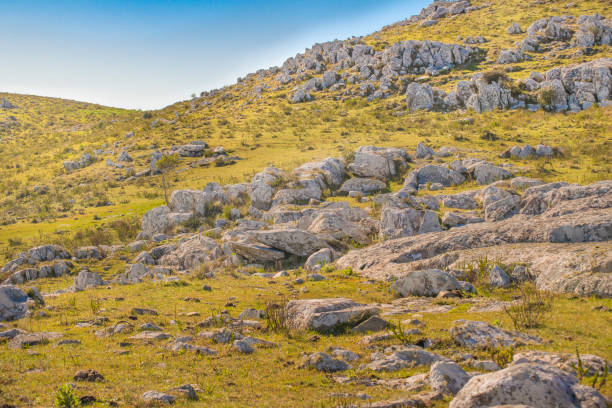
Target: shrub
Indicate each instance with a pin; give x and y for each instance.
(192, 223)
(596, 381)
(531, 309)
(494, 75)
(502, 355)
(546, 96)
(65, 397)
(398, 332)
(276, 317)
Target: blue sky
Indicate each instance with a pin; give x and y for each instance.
(149, 54)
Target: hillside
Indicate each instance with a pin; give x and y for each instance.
(473, 140)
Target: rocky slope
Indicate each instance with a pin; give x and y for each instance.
(392, 269)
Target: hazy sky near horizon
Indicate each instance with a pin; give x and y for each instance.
(149, 54)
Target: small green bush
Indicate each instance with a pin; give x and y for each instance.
(65, 397)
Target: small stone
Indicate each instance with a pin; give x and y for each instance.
(498, 278)
(159, 397)
(88, 375)
(242, 346)
(373, 324)
(141, 311)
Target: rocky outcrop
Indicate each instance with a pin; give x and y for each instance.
(571, 214)
(58, 269)
(43, 253)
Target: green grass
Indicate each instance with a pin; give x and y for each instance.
(270, 377)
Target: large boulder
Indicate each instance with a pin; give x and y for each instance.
(324, 362)
(433, 173)
(486, 173)
(192, 201)
(86, 279)
(404, 222)
(377, 162)
(13, 303)
(425, 283)
(326, 315)
(351, 224)
(362, 185)
(294, 241)
(447, 377)
(263, 186)
(161, 220)
(535, 385)
(192, 252)
(329, 173)
(419, 96)
(319, 259)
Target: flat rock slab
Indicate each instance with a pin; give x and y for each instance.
(32, 339)
(255, 252)
(425, 283)
(482, 335)
(151, 335)
(565, 361)
(293, 241)
(325, 315)
(404, 357)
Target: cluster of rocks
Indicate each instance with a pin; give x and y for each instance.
(377, 71)
(5, 104)
(85, 160)
(288, 219)
(319, 231)
(575, 88)
(33, 256)
(48, 261)
(22, 276)
(544, 216)
(436, 11)
(584, 31)
(527, 152)
(431, 14)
